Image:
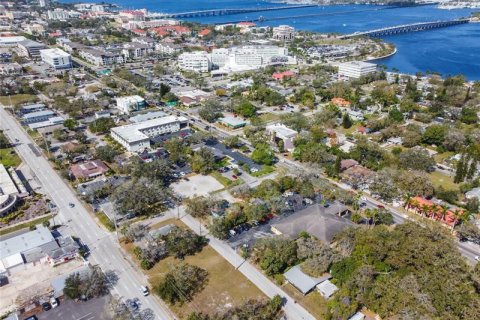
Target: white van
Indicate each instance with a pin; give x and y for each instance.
(144, 290)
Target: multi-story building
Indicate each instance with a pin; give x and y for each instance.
(356, 69)
(135, 50)
(150, 42)
(11, 41)
(281, 132)
(29, 48)
(100, 57)
(58, 14)
(57, 58)
(167, 48)
(198, 61)
(283, 33)
(130, 103)
(136, 137)
(42, 3)
(11, 190)
(35, 28)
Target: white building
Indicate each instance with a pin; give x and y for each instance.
(100, 57)
(136, 137)
(130, 103)
(167, 48)
(42, 3)
(11, 41)
(198, 61)
(356, 69)
(58, 14)
(57, 58)
(283, 33)
(282, 132)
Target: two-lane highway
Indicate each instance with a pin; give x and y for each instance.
(105, 251)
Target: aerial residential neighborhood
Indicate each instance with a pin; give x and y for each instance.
(204, 163)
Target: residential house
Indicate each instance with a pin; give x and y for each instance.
(88, 170)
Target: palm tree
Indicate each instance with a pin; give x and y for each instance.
(407, 198)
(425, 209)
(444, 211)
(457, 214)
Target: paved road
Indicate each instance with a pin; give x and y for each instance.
(292, 309)
(467, 249)
(105, 250)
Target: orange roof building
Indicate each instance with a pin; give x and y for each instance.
(340, 102)
(204, 33)
(281, 75)
(430, 209)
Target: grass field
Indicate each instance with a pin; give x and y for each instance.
(313, 302)
(268, 117)
(9, 158)
(226, 287)
(264, 171)
(18, 99)
(225, 181)
(440, 179)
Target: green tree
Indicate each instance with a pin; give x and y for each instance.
(246, 109)
(203, 161)
(106, 153)
(102, 125)
(70, 123)
(469, 116)
(434, 134)
(263, 154)
(346, 121)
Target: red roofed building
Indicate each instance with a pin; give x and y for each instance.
(88, 170)
(204, 33)
(340, 102)
(434, 211)
(174, 30)
(139, 32)
(281, 75)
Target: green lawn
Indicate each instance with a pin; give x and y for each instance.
(105, 221)
(225, 181)
(18, 99)
(225, 286)
(264, 171)
(9, 158)
(440, 179)
(267, 117)
(25, 225)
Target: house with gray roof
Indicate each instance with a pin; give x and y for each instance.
(319, 221)
(303, 282)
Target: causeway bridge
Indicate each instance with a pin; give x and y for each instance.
(420, 26)
(222, 12)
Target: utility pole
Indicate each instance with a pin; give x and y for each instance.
(115, 223)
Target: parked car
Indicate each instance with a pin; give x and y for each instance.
(144, 290)
(53, 302)
(71, 205)
(232, 232)
(46, 306)
(234, 177)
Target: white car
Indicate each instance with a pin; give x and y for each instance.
(144, 290)
(477, 258)
(53, 302)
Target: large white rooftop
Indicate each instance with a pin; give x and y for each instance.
(55, 52)
(25, 241)
(7, 186)
(133, 132)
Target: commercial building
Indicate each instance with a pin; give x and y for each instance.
(283, 33)
(356, 69)
(232, 122)
(58, 14)
(57, 58)
(48, 126)
(100, 57)
(29, 48)
(12, 41)
(147, 116)
(195, 61)
(136, 137)
(88, 170)
(135, 50)
(11, 189)
(38, 116)
(130, 103)
(38, 246)
(167, 48)
(32, 108)
(279, 132)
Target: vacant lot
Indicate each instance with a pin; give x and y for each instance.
(18, 99)
(225, 287)
(313, 302)
(197, 185)
(9, 158)
(440, 179)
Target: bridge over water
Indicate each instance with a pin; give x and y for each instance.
(221, 12)
(420, 26)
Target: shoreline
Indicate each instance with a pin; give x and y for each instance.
(382, 57)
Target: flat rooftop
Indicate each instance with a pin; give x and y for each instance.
(133, 132)
(7, 186)
(25, 241)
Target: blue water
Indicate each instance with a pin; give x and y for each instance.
(452, 50)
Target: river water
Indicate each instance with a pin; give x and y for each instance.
(448, 51)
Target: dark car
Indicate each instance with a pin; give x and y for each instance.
(32, 318)
(46, 306)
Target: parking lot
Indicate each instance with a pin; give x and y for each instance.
(197, 185)
(293, 202)
(94, 309)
